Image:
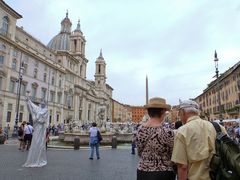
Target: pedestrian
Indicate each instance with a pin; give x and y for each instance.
(154, 143)
(134, 143)
(28, 131)
(94, 142)
(177, 125)
(21, 136)
(6, 131)
(47, 137)
(2, 136)
(194, 143)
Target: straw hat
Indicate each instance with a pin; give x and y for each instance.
(157, 102)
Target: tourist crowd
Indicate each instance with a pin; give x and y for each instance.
(182, 150)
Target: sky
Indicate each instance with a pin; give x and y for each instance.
(170, 41)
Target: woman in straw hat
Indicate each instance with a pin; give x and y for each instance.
(155, 144)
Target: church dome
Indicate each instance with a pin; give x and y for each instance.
(62, 40)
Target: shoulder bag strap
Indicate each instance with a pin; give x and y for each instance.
(29, 129)
(217, 127)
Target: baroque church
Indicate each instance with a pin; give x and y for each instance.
(55, 73)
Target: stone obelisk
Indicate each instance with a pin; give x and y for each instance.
(146, 90)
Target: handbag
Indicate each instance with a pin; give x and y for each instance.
(99, 136)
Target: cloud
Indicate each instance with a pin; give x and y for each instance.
(172, 42)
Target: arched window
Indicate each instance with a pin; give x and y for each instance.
(99, 69)
(5, 25)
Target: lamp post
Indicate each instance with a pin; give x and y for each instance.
(20, 74)
(218, 85)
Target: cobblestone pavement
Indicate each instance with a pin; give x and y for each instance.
(115, 164)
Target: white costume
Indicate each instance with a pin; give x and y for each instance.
(37, 156)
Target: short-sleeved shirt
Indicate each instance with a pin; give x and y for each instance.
(194, 145)
(28, 129)
(154, 145)
(93, 131)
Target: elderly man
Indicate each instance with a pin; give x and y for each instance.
(194, 144)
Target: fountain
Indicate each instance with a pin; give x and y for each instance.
(123, 132)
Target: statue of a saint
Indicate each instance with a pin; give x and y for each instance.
(37, 156)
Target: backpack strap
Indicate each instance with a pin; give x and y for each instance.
(217, 127)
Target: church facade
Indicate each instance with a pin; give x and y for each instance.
(54, 73)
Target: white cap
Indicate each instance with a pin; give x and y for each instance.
(188, 104)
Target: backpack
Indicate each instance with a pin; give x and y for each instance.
(99, 136)
(238, 132)
(225, 164)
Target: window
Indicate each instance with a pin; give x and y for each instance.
(20, 116)
(25, 68)
(59, 98)
(12, 86)
(5, 24)
(35, 73)
(75, 44)
(45, 77)
(9, 107)
(8, 116)
(21, 108)
(50, 118)
(60, 83)
(89, 112)
(99, 68)
(15, 53)
(14, 64)
(36, 63)
(52, 95)
(53, 80)
(23, 89)
(43, 95)
(1, 60)
(34, 92)
(57, 117)
(1, 79)
(65, 97)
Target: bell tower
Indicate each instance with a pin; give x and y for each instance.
(77, 41)
(100, 73)
(77, 49)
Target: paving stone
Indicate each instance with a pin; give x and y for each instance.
(115, 164)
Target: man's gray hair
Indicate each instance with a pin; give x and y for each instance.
(189, 106)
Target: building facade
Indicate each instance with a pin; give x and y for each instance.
(54, 73)
(137, 113)
(227, 87)
(121, 112)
